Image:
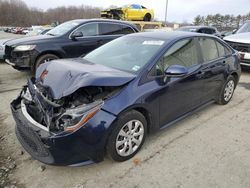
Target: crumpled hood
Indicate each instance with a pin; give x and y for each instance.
(240, 38)
(65, 76)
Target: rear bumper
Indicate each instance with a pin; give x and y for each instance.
(84, 146)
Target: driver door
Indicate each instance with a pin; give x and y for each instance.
(179, 95)
(89, 40)
(134, 12)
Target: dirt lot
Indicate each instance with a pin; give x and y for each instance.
(209, 149)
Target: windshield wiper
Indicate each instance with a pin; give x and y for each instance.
(50, 34)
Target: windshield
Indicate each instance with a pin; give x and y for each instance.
(244, 28)
(63, 28)
(128, 54)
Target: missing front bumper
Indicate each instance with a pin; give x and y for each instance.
(30, 136)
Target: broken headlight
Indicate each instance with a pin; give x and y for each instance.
(75, 118)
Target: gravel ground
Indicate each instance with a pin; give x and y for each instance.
(209, 149)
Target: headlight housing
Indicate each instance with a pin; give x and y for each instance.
(24, 47)
(75, 118)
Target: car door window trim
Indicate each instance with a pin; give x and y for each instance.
(99, 30)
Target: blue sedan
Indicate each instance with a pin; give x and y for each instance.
(76, 110)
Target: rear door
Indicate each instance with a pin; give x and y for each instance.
(215, 56)
(111, 31)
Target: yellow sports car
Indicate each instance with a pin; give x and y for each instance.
(129, 12)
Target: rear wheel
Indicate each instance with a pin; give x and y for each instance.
(227, 91)
(147, 18)
(43, 59)
(128, 136)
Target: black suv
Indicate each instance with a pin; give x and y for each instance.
(201, 29)
(68, 40)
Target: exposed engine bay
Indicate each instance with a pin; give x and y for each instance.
(68, 113)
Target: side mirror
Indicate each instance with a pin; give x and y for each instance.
(76, 34)
(176, 71)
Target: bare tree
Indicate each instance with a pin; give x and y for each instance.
(17, 13)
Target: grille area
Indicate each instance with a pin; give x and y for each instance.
(8, 50)
(31, 141)
(241, 47)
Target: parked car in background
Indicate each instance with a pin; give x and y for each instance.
(68, 40)
(227, 33)
(132, 12)
(38, 30)
(201, 29)
(45, 31)
(7, 30)
(76, 110)
(2, 48)
(240, 41)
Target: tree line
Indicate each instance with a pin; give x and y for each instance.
(222, 22)
(17, 13)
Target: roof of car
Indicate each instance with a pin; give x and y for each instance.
(80, 21)
(198, 27)
(163, 35)
(99, 20)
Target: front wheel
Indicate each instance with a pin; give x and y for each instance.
(43, 59)
(227, 91)
(128, 136)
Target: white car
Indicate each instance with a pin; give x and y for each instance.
(2, 47)
(240, 41)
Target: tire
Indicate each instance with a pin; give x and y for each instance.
(227, 91)
(147, 18)
(128, 136)
(43, 59)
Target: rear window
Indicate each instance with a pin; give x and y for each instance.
(114, 29)
(207, 31)
(223, 51)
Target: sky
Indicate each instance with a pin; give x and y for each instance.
(178, 10)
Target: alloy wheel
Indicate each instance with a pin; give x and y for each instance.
(229, 89)
(129, 138)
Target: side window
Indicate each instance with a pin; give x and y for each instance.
(183, 53)
(207, 31)
(202, 31)
(213, 31)
(223, 50)
(135, 6)
(209, 49)
(114, 29)
(126, 29)
(90, 29)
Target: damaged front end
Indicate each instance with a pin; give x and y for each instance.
(45, 125)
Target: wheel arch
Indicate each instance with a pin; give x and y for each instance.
(236, 77)
(144, 111)
(58, 54)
